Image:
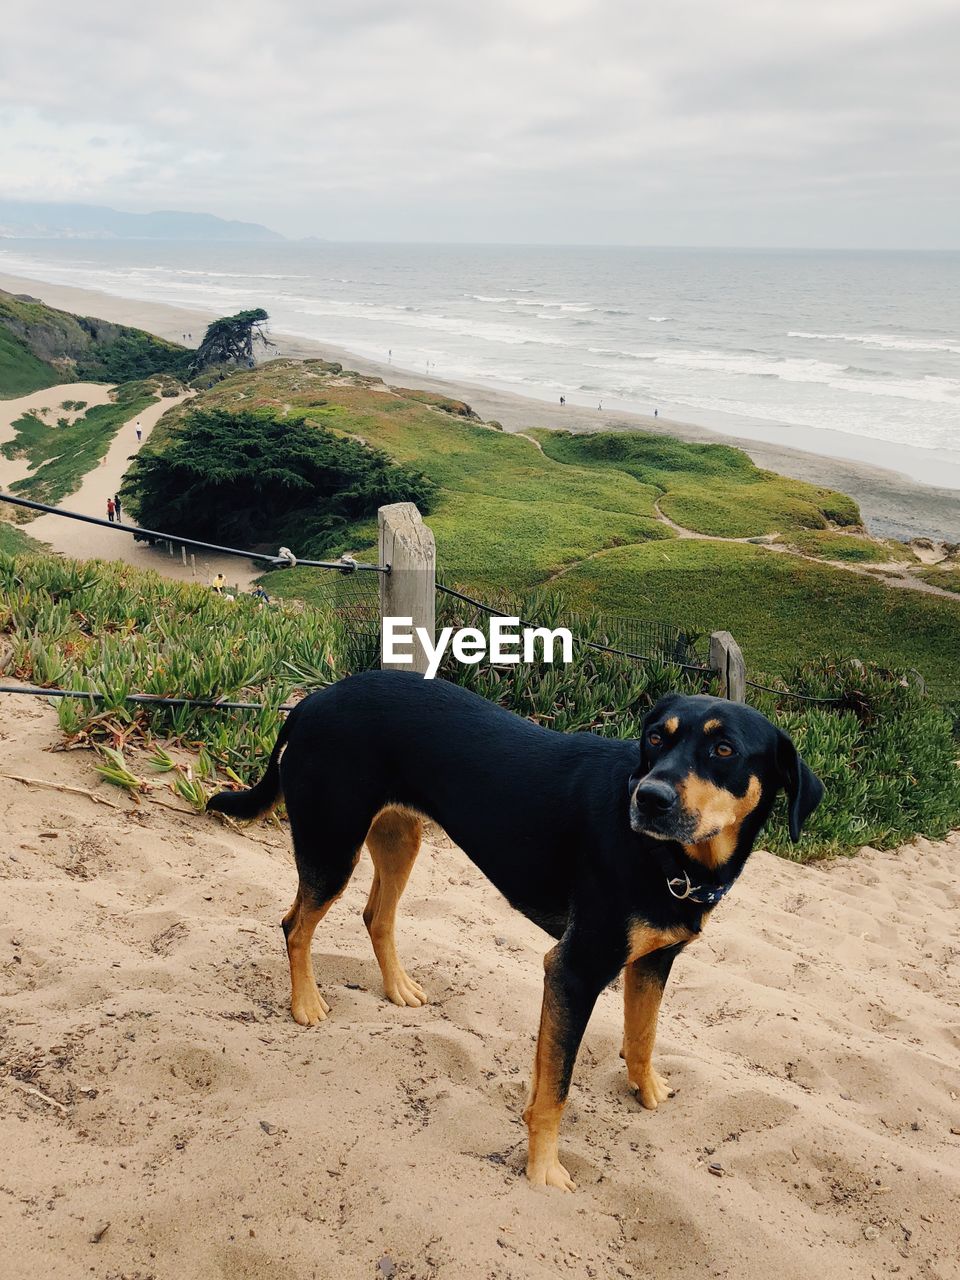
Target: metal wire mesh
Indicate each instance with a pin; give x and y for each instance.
(663, 640)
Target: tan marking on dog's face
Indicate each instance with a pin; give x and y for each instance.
(712, 726)
(720, 816)
(672, 725)
(644, 938)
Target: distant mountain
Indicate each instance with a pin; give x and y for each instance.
(22, 219)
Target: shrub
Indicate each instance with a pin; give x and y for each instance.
(247, 479)
(887, 753)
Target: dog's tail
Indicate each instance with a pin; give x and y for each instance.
(261, 798)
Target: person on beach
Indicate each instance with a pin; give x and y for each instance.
(563, 401)
(656, 413)
(111, 510)
(218, 584)
(600, 407)
(118, 507)
(139, 432)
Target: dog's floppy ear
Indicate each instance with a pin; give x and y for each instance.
(804, 789)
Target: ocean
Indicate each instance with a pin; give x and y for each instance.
(854, 354)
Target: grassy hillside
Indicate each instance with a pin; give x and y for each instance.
(711, 488)
(510, 514)
(20, 371)
(782, 609)
(35, 338)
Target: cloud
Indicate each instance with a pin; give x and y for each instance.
(529, 120)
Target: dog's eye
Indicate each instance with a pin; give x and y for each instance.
(654, 739)
(723, 750)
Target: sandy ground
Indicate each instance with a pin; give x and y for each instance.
(892, 504)
(154, 1092)
(88, 541)
(48, 405)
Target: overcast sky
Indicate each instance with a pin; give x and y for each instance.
(742, 122)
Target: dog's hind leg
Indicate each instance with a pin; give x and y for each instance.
(309, 907)
(393, 841)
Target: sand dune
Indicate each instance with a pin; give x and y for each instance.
(90, 542)
(151, 1079)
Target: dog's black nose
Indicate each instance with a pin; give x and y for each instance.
(653, 798)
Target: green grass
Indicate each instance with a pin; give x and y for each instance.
(60, 456)
(709, 488)
(781, 610)
(508, 516)
(504, 515)
(828, 544)
(20, 371)
(14, 542)
(946, 577)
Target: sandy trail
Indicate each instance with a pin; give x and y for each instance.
(89, 541)
(151, 1078)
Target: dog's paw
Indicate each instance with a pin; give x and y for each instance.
(550, 1174)
(405, 992)
(310, 1009)
(651, 1088)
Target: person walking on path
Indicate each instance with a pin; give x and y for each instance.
(118, 507)
(110, 510)
(139, 431)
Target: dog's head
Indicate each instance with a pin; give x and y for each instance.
(709, 773)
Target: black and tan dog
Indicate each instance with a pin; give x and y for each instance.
(618, 849)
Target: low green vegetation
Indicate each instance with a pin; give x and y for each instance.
(14, 542)
(885, 750)
(886, 753)
(109, 629)
(72, 348)
(245, 479)
(946, 577)
(61, 455)
(579, 514)
(829, 544)
(710, 488)
(781, 609)
(21, 373)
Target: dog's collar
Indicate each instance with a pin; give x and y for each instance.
(698, 892)
(703, 895)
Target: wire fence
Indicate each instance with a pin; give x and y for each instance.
(283, 559)
(662, 639)
(350, 596)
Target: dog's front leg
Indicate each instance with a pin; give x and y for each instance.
(643, 982)
(570, 991)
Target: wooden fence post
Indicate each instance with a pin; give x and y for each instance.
(727, 660)
(409, 589)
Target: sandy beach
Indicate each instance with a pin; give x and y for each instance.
(163, 1116)
(893, 505)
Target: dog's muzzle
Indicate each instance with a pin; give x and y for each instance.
(655, 810)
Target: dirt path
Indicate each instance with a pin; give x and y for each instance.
(92, 542)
